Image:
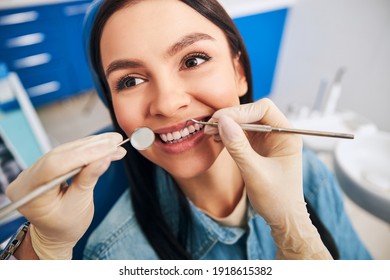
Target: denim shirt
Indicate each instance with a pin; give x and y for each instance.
(119, 236)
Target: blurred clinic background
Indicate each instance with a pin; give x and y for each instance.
(325, 63)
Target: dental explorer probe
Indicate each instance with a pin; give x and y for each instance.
(268, 128)
(8, 209)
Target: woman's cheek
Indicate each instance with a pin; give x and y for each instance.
(125, 115)
(218, 90)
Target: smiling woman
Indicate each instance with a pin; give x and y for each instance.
(197, 192)
(169, 74)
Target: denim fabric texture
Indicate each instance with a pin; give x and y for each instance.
(120, 237)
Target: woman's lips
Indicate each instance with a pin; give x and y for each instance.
(181, 137)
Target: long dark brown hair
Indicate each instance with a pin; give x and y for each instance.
(141, 172)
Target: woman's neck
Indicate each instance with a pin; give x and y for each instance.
(218, 190)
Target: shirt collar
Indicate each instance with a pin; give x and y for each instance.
(206, 232)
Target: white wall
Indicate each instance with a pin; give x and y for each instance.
(323, 35)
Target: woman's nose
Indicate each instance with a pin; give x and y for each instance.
(168, 98)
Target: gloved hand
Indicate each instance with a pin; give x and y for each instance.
(271, 167)
(60, 217)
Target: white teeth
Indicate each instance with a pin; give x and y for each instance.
(177, 135)
(191, 129)
(197, 126)
(184, 132)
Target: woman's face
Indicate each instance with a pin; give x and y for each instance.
(165, 64)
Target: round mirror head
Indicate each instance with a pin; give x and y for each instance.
(142, 138)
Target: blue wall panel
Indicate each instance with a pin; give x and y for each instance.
(262, 34)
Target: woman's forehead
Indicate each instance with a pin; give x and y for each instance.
(152, 12)
(153, 23)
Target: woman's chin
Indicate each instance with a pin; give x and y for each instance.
(189, 169)
(192, 165)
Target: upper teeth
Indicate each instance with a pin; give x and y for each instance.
(177, 135)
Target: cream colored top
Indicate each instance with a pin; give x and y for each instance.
(238, 217)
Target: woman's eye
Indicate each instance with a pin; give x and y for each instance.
(194, 60)
(128, 82)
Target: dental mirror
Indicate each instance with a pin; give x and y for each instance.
(142, 138)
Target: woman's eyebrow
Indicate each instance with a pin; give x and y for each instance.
(186, 41)
(121, 64)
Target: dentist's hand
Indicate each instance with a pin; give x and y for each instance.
(271, 167)
(60, 217)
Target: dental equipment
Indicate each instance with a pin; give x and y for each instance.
(142, 138)
(268, 128)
